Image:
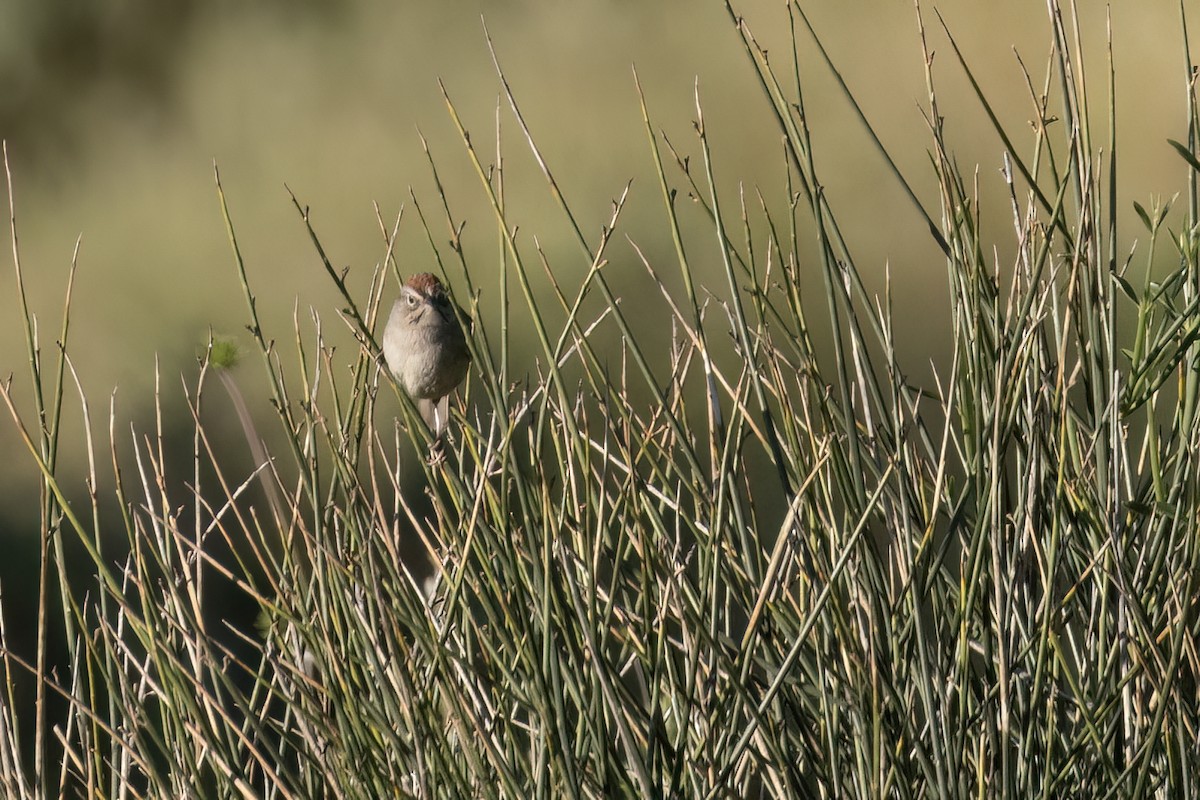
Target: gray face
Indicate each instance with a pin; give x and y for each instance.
(427, 309)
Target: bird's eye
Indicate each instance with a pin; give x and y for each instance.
(411, 299)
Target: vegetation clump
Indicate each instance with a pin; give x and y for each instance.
(731, 563)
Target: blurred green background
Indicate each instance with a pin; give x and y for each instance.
(113, 114)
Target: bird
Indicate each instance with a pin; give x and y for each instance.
(425, 347)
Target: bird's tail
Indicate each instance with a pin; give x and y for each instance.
(436, 414)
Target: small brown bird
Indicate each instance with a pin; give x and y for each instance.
(425, 347)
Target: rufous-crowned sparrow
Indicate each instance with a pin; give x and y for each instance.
(425, 347)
